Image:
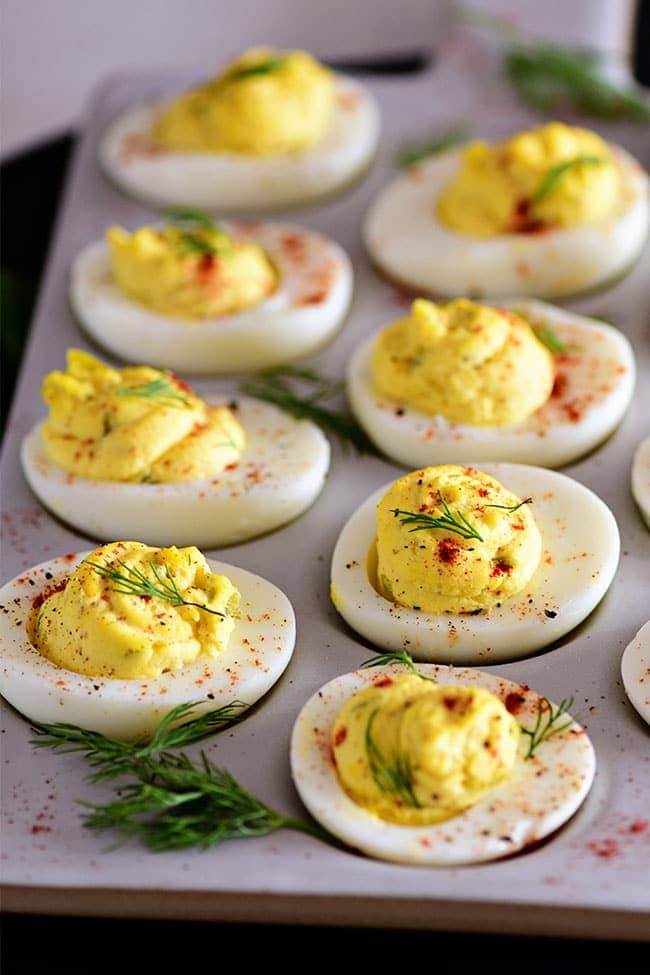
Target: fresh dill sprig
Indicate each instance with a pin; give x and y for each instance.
(412, 154)
(193, 225)
(170, 802)
(553, 175)
(456, 523)
(251, 70)
(511, 507)
(274, 386)
(189, 218)
(111, 757)
(393, 775)
(549, 76)
(163, 389)
(545, 725)
(134, 582)
(395, 657)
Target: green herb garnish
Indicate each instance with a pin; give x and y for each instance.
(170, 802)
(395, 657)
(544, 725)
(194, 224)
(163, 389)
(456, 523)
(134, 582)
(274, 386)
(392, 775)
(412, 154)
(110, 757)
(511, 507)
(549, 77)
(548, 337)
(555, 174)
(252, 70)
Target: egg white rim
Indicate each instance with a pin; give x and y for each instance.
(224, 502)
(411, 247)
(635, 671)
(640, 478)
(246, 662)
(540, 795)
(230, 181)
(549, 607)
(303, 314)
(539, 440)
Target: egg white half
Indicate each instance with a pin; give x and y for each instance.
(594, 386)
(304, 312)
(540, 795)
(258, 651)
(229, 181)
(580, 552)
(641, 478)
(279, 475)
(635, 671)
(411, 246)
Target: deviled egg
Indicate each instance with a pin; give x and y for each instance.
(640, 478)
(274, 129)
(459, 565)
(525, 382)
(551, 212)
(202, 298)
(113, 639)
(133, 453)
(438, 767)
(635, 671)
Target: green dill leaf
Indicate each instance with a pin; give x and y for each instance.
(254, 70)
(277, 386)
(414, 153)
(511, 507)
(163, 389)
(548, 337)
(186, 217)
(546, 723)
(133, 582)
(555, 174)
(548, 77)
(396, 657)
(392, 775)
(456, 523)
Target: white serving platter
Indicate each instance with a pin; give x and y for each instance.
(591, 878)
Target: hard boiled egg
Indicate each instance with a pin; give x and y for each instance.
(579, 556)
(258, 650)
(641, 478)
(307, 306)
(594, 375)
(635, 671)
(277, 477)
(282, 131)
(544, 232)
(540, 794)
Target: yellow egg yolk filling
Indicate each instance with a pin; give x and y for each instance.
(413, 752)
(111, 620)
(467, 362)
(197, 273)
(266, 102)
(491, 554)
(553, 176)
(135, 424)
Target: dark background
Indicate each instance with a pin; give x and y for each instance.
(75, 944)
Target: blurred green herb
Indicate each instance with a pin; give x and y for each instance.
(275, 386)
(414, 153)
(552, 177)
(252, 70)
